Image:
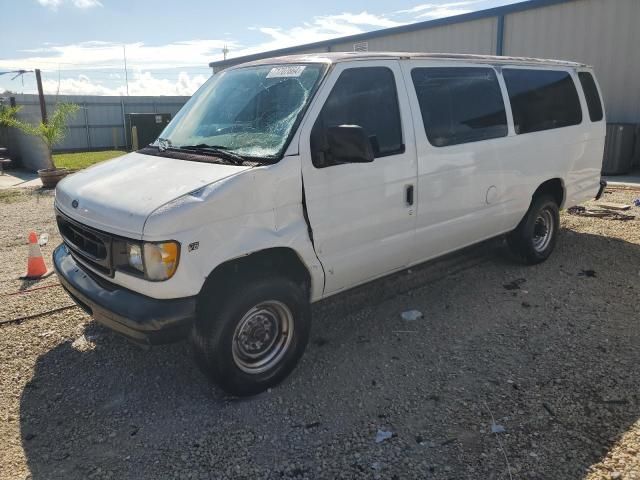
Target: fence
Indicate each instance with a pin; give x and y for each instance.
(100, 123)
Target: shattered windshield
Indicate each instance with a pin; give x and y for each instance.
(248, 111)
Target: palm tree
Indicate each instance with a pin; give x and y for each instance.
(51, 132)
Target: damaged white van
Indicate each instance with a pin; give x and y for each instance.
(287, 180)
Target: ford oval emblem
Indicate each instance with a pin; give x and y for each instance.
(74, 204)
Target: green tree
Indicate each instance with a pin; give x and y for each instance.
(51, 133)
(8, 115)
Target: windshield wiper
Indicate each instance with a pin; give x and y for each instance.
(219, 150)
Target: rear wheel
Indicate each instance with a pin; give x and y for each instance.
(535, 237)
(254, 338)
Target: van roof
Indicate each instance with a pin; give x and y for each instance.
(337, 57)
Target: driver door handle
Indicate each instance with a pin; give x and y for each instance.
(409, 195)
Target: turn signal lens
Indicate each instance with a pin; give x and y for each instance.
(161, 260)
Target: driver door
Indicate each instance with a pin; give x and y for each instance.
(362, 215)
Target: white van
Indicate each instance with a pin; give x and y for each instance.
(287, 180)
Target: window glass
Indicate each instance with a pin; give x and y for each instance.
(250, 110)
(542, 99)
(593, 97)
(460, 104)
(366, 97)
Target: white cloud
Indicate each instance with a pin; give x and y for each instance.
(107, 55)
(438, 6)
(87, 3)
(362, 18)
(318, 29)
(50, 3)
(54, 4)
(101, 63)
(140, 83)
(443, 12)
(92, 55)
(179, 68)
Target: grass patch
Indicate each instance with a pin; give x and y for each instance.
(11, 195)
(15, 195)
(76, 161)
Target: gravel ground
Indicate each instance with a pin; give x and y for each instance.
(549, 353)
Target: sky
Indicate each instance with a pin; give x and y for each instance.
(79, 44)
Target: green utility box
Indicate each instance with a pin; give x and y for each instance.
(148, 127)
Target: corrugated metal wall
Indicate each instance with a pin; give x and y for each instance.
(99, 118)
(602, 33)
(476, 36)
(98, 125)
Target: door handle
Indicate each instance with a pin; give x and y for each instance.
(409, 194)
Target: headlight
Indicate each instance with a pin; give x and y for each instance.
(134, 256)
(158, 261)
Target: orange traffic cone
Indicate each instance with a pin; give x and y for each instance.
(36, 268)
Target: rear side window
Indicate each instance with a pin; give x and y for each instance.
(366, 97)
(542, 99)
(459, 104)
(591, 94)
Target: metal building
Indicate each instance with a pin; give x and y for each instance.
(602, 33)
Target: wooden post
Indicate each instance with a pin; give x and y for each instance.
(43, 106)
(86, 125)
(124, 125)
(134, 138)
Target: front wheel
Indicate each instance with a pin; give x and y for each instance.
(535, 237)
(255, 337)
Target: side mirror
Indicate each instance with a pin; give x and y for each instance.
(349, 144)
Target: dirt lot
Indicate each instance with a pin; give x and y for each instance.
(550, 353)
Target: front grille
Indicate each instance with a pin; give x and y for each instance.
(90, 245)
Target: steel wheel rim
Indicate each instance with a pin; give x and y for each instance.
(543, 230)
(262, 337)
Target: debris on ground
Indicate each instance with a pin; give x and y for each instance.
(587, 273)
(599, 213)
(383, 435)
(44, 239)
(636, 202)
(82, 344)
(515, 284)
(614, 206)
(496, 428)
(411, 315)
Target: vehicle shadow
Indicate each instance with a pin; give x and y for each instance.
(549, 351)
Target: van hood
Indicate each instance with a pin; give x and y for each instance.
(117, 196)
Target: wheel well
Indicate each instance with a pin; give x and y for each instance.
(280, 260)
(553, 187)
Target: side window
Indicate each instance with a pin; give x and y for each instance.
(542, 99)
(366, 97)
(460, 104)
(593, 97)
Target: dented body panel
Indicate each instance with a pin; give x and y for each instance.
(117, 196)
(244, 211)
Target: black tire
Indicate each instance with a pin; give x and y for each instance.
(528, 240)
(248, 311)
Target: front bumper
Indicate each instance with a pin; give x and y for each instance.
(142, 319)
